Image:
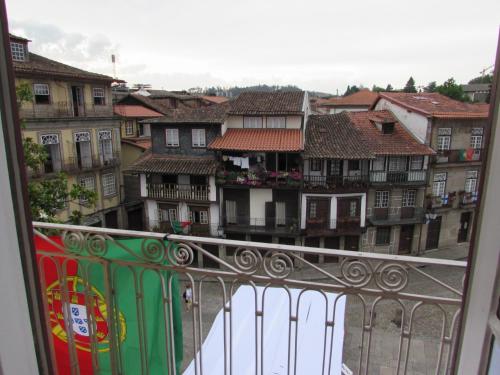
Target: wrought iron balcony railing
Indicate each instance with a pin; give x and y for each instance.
(261, 224)
(400, 313)
(178, 191)
(395, 214)
(458, 156)
(63, 109)
(335, 182)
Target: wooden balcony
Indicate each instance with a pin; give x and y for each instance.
(178, 192)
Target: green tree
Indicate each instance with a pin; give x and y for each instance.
(389, 88)
(487, 78)
(452, 90)
(376, 88)
(431, 87)
(50, 194)
(410, 86)
(351, 90)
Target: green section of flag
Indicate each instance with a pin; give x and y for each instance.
(145, 317)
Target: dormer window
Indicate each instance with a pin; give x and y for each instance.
(387, 128)
(18, 51)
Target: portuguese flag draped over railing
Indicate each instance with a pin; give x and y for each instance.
(124, 312)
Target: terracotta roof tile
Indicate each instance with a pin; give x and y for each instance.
(126, 110)
(436, 105)
(332, 137)
(41, 66)
(142, 143)
(363, 97)
(213, 114)
(215, 99)
(173, 164)
(272, 103)
(400, 142)
(259, 140)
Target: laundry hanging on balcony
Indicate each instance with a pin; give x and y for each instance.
(146, 302)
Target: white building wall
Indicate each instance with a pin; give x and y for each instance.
(142, 182)
(233, 122)
(258, 199)
(346, 109)
(236, 122)
(151, 212)
(214, 218)
(212, 195)
(414, 122)
(293, 122)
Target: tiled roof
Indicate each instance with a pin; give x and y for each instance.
(332, 137)
(213, 114)
(150, 103)
(18, 38)
(259, 140)
(434, 104)
(141, 142)
(268, 103)
(126, 110)
(215, 99)
(174, 164)
(400, 142)
(41, 66)
(363, 97)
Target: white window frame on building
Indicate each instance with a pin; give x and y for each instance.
(52, 145)
(41, 93)
(83, 149)
(172, 137)
(316, 165)
(280, 213)
(382, 199)
(199, 217)
(386, 238)
(231, 212)
(18, 51)
(108, 184)
(378, 164)
(313, 210)
(417, 163)
(476, 142)
(439, 184)
(198, 138)
(409, 198)
(88, 183)
(444, 139)
(471, 181)
(105, 145)
(129, 127)
(397, 163)
(252, 122)
(99, 95)
(276, 122)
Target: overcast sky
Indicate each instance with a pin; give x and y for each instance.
(316, 44)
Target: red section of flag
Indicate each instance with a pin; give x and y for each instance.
(51, 269)
(470, 154)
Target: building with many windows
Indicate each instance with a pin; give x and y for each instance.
(71, 115)
(456, 131)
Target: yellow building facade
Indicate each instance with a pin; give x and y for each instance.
(71, 115)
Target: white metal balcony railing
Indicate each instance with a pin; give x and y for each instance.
(401, 312)
(417, 176)
(178, 191)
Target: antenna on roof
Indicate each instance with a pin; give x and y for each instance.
(483, 72)
(113, 60)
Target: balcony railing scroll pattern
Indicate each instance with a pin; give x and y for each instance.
(178, 191)
(367, 280)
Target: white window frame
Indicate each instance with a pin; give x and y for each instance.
(409, 198)
(198, 138)
(252, 122)
(417, 163)
(476, 142)
(313, 161)
(443, 142)
(87, 182)
(41, 89)
(397, 164)
(99, 92)
(231, 212)
(379, 164)
(313, 210)
(203, 217)
(381, 199)
(276, 122)
(108, 184)
(172, 137)
(353, 205)
(129, 127)
(439, 185)
(18, 51)
(280, 213)
(105, 144)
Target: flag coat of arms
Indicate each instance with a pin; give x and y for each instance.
(110, 313)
